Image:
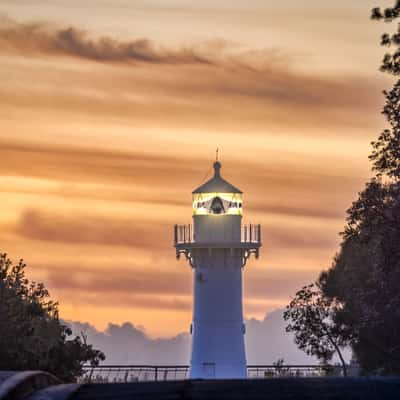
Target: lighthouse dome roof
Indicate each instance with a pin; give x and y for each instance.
(217, 184)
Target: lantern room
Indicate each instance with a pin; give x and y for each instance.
(217, 197)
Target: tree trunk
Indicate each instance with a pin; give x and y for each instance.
(344, 366)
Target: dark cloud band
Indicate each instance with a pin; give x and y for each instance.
(45, 38)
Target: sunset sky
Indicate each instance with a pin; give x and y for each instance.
(110, 114)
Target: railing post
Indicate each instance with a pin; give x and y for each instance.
(250, 232)
(259, 233)
(156, 373)
(176, 234)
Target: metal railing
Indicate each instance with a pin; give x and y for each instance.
(293, 371)
(183, 234)
(137, 373)
(134, 373)
(250, 233)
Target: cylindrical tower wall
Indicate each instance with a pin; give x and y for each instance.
(218, 349)
(217, 228)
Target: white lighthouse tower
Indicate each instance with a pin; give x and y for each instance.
(217, 248)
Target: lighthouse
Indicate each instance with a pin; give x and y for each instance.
(217, 247)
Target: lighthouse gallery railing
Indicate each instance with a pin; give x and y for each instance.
(250, 233)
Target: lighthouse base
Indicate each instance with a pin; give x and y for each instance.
(209, 370)
(218, 350)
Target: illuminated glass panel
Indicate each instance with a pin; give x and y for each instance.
(217, 204)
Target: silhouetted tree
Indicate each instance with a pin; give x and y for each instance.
(365, 275)
(310, 315)
(365, 279)
(391, 60)
(31, 335)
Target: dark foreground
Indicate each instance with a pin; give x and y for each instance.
(269, 389)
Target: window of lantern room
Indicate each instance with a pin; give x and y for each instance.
(217, 204)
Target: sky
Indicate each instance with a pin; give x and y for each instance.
(110, 114)
(266, 343)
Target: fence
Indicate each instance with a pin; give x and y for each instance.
(136, 373)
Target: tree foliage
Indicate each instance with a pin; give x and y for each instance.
(386, 149)
(364, 279)
(391, 60)
(365, 275)
(31, 334)
(310, 316)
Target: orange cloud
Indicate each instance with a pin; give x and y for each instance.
(90, 165)
(86, 229)
(153, 178)
(203, 88)
(135, 286)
